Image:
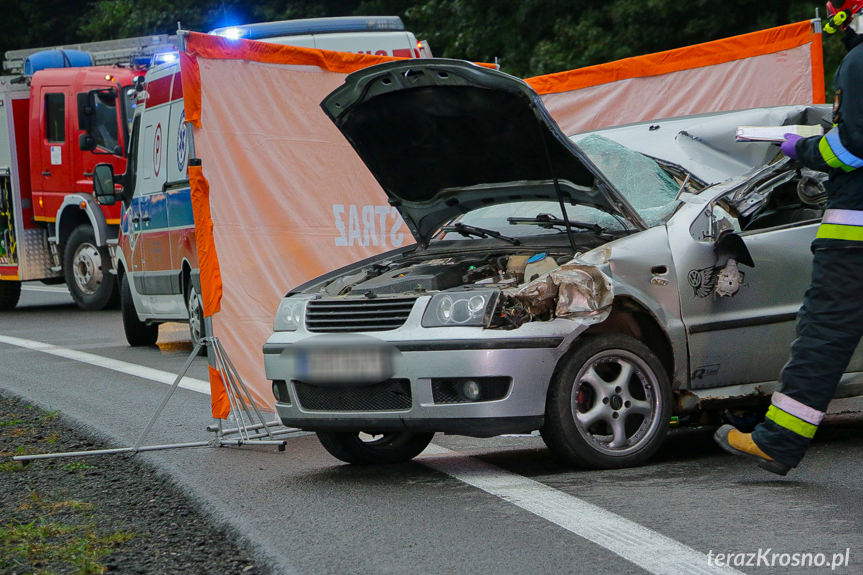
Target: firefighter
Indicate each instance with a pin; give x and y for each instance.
(830, 322)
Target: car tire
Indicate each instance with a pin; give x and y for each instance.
(10, 293)
(86, 268)
(195, 307)
(397, 447)
(609, 404)
(138, 333)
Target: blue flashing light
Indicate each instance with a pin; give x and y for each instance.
(165, 58)
(232, 33)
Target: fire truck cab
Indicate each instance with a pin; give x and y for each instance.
(61, 112)
(156, 259)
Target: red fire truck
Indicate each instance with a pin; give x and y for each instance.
(62, 111)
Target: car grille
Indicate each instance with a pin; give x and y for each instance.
(390, 395)
(350, 315)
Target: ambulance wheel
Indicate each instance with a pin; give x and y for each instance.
(365, 449)
(138, 333)
(10, 292)
(86, 268)
(196, 314)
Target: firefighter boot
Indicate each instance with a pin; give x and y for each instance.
(741, 444)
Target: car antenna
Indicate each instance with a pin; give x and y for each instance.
(542, 136)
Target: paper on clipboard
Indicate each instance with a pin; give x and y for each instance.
(775, 133)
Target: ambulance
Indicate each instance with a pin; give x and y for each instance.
(155, 257)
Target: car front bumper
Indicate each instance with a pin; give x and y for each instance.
(519, 370)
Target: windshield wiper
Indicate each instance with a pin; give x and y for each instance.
(549, 221)
(467, 231)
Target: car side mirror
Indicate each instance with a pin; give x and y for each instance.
(103, 185)
(729, 245)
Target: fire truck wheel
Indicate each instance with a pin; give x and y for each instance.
(10, 291)
(86, 267)
(138, 333)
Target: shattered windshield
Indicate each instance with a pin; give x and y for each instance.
(648, 188)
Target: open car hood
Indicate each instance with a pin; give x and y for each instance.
(444, 137)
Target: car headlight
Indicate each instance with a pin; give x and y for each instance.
(467, 308)
(289, 314)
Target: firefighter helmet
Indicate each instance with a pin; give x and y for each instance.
(850, 6)
(842, 13)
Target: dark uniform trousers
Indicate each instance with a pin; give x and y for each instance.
(829, 327)
(830, 322)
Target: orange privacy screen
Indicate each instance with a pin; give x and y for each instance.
(773, 67)
(287, 197)
(282, 197)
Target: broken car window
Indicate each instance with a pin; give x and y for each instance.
(645, 185)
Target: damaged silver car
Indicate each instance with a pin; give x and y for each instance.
(593, 288)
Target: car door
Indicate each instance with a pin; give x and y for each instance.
(744, 337)
(152, 248)
(133, 228)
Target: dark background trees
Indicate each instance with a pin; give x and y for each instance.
(527, 37)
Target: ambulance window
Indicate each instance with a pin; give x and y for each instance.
(130, 99)
(55, 117)
(132, 162)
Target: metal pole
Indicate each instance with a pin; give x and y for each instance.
(176, 384)
(218, 360)
(27, 458)
(219, 428)
(252, 401)
(232, 399)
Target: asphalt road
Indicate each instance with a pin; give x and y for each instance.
(466, 505)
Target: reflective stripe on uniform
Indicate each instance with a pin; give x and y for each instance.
(841, 225)
(838, 232)
(790, 405)
(843, 217)
(836, 154)
(791, 423)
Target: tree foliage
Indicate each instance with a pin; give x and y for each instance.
(527, 38)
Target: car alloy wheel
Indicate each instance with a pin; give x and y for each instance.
(614, 402)
(609, 405)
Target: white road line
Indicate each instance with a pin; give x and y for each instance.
(652, 551)
(157, 375)
(648, 549)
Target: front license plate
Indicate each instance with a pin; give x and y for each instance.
(345, 365)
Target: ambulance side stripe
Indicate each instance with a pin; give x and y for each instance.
(159, 90)
(171, 210)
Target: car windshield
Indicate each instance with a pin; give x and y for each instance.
(648, 188)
